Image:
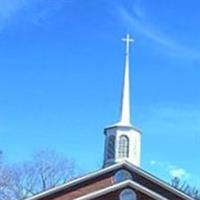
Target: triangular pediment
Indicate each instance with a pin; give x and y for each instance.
(104, 179)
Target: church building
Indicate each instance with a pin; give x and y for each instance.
(121, 177)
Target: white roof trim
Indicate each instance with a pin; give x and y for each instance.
(108, 169)
(129, 183)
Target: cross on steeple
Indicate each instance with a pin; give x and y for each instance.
(127, 40)
(125, 100)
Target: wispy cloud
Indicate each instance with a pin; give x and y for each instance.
(33, 11)
(137, 20)
(171, 170)
(180, 126)
(174, 120)
(8, 9)
(179, 173)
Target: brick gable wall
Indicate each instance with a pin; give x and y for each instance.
(104, 181)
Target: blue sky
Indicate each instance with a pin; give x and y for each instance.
(61, 65)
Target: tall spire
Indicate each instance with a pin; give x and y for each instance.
(123, 141)
(125, 99)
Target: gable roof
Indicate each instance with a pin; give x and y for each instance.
(100, 172)
(127, 183)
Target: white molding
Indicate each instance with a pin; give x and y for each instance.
(121, 185)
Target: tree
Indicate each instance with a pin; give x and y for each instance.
(45, 170)
(186, 188)
(5, 179)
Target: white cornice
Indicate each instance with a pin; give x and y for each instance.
(120, 126)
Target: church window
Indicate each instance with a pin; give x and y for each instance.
(111, 147)
(128, 194)
(122, 175)
(123, 147)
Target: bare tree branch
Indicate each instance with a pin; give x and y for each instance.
(45, 170)
(186, 188)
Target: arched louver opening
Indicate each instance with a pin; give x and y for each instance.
(123, 147)
(111, 147)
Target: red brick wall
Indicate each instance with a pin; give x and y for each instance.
(85, 189)
(82, 189)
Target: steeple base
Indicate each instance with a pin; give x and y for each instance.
(122, 144)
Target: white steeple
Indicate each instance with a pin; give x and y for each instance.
(122, 140)
(125, 99)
